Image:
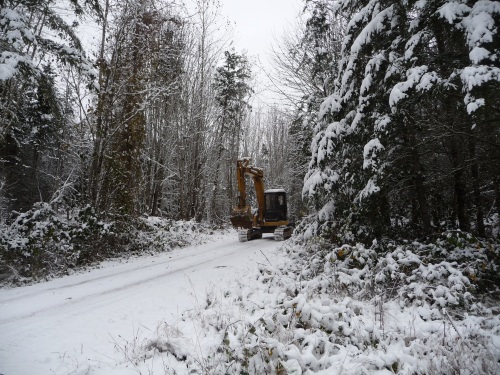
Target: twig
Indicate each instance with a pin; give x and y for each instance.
(123, 350)
(444, 332)
(266, 258)
(455, 328)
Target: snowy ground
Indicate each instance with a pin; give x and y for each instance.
(263, 306)
(89, 323)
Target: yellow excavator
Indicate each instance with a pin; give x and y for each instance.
(271, 214)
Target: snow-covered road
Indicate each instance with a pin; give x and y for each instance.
(83, 321)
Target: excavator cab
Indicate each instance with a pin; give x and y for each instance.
(276, 209)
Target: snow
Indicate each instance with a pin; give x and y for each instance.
(313, 179)
(9, 63)
(474, 105)
(326, 212)
(478, 54)
(16, 30)
(375, 26)
(475, 76)
(309, 324)
(418, 78)
(15, 25)
(370, 188)
(381, 122)
(226, 307)
(480, 23)
(371, 149)
(452, 11)
(82, 323)
(275, 191)
(330, 104)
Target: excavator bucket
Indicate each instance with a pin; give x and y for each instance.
(242, 218)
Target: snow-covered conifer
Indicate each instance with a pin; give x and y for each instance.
(414, 98)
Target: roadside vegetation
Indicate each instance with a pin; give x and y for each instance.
(389, 308)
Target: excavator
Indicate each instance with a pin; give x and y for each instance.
(271, 214)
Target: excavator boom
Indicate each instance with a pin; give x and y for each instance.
(242, 213)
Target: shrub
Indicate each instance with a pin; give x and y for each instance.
(43, 241)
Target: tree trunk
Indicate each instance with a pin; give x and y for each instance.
(459, 186)
(496, 183)
(477, 193)
(418, 181)
(98, 149)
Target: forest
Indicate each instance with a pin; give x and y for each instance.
(387, 125)
(120, 126)
(147, 118)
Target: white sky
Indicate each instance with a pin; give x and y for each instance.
(257, 23)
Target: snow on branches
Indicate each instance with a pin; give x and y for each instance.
(397, 59)
(24, 45)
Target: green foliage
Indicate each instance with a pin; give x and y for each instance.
(46, 242)
(455, 269)
(356, 308)
(232, 88)
(35, 43)
(43, 242)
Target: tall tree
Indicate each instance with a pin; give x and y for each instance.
(31, 111)
(232, 90)
(139, 69)
(405, 66)
(195, 126)
(305, 64)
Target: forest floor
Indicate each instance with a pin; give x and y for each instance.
(225, 307)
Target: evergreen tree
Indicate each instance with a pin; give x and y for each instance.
(409, 83)
(232, 91)
(305, 63)
(31, 116)
(24, 39)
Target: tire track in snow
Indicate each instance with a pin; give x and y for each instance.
(103, 277)
(87, 297)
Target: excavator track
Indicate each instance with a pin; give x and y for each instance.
(245, 235)
(283, 233)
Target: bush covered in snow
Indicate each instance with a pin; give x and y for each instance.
(447, 272)
(406, 308)
(159, 234)
(45, 242)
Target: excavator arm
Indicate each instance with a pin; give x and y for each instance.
(241, 216)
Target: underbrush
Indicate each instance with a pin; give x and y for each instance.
(45, 242)
(405, 308)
